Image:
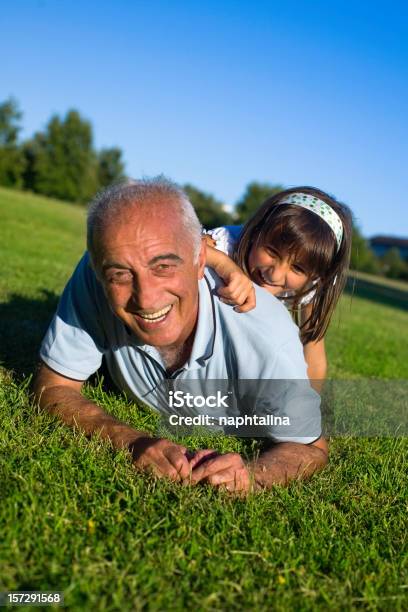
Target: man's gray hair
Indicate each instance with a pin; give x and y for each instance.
(126, 194)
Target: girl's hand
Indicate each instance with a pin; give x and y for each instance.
(238, 290)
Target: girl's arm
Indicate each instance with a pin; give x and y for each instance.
(315, 357)
(238, 289)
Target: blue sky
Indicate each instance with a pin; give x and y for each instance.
(222, 93)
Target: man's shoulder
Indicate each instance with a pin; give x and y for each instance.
(83, 293)
(84, 275)
(268, 324)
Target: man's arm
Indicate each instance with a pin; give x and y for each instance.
(282, 463)
(288, 461)
(62, 397)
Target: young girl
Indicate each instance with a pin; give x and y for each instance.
(297, 247)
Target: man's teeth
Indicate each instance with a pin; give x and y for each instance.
(156, 316)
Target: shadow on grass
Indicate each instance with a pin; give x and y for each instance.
(23, 322)
(375, 292)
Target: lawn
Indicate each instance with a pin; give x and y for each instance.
(75, 517)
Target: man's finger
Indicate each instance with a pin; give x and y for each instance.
(212, 466)
(202, 455)
(178, 461)
(161, 468)
(238, 478)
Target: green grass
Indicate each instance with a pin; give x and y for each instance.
(74, 516)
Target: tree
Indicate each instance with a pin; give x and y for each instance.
(362, 257)
(110, 166)
(393, 265)
(209, 210)
(11, 156)
(61, 161)
(255, 194)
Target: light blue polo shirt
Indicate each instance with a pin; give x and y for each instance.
(259, 347)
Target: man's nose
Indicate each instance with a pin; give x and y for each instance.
(146, 294)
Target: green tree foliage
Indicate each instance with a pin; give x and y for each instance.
(110, 166)
(11, 157)
(393, 265)
(209, 210)
(255, 194)
(61, 161)
(362, 257)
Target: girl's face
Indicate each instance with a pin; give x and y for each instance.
(275, 272)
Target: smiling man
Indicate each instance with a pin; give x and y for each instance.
(150, 275)
(141, 298)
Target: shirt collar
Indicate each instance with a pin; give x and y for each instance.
(204, 339)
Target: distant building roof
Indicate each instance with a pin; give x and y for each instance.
(389, 241)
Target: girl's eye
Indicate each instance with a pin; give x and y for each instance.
(273, 253)
(298, 269)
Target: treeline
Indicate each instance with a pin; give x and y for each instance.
(363, 259)
(61, 162)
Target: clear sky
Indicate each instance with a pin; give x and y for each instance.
(220, 93)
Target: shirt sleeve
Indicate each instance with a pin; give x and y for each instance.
(74, 343)
(225, 238)
(290, 399)
(272, 373)
(282, 408)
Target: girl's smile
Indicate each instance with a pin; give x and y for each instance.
(276, 272)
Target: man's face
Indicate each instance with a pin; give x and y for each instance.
(149, 277)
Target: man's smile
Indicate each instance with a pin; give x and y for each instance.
(155, 316)
(152, 319)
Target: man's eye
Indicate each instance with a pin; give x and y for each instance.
(120, 277)
(160, 268)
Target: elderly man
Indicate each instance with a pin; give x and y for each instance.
(141, 298)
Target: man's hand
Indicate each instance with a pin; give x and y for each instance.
(279, 465)
(162, 457)
(227, 470)
(62, 397)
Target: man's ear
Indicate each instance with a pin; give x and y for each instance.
(202, 258)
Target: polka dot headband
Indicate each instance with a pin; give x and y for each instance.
(320, 208)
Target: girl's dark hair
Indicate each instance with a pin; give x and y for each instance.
(302, 235)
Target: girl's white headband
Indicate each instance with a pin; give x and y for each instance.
(320, 208)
